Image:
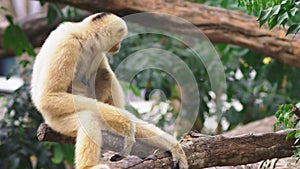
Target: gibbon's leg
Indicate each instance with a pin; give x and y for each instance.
(84, 125)
(112, 118)
(87, 124)
(108, 90)
(89, 140)
(149, 133)
(152, 135)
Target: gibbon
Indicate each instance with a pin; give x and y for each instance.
(78, 94)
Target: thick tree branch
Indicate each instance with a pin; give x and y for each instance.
(201, 150)
(220, 25)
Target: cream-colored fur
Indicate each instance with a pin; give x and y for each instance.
(78, 94)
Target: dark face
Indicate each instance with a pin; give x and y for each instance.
(115, 49)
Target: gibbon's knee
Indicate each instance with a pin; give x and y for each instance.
(90, 123)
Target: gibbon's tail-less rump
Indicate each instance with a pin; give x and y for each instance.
(78, 94)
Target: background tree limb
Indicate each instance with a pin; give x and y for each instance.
(220, 25)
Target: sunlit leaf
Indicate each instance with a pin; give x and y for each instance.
(282, 18)
(290, 135)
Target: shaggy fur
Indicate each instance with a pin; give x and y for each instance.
(78, 94)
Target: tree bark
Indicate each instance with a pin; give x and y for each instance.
(201, 150)
(219, 25)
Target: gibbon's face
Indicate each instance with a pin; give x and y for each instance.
(110, 28)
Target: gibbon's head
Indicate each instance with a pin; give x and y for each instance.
(107, 29)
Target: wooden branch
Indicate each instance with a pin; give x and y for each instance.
(220, 25)
(201, 150)
(110, 141)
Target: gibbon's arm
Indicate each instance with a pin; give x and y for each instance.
(59, 74)
(108, 88)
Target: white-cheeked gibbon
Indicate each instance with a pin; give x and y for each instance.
(78, 94)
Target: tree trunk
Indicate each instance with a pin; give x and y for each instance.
(201, 150)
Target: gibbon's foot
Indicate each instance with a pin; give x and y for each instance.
(100, 166)
(117, 157)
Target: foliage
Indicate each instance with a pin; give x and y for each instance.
(288, 116)
(255, 82)
(15, 38)
(19, 147)
(276, 12)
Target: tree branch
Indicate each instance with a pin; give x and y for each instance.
(219, 25)
(201, 150)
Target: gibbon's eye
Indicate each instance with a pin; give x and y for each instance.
(101, 15)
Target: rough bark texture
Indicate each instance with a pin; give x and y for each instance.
(201, 150)
(220, 25)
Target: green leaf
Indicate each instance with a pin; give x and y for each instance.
(282, 18)
(272, 22)
(287, 107)
(241, 3)
(249, 7)
(42, 2)
(256, 5)
(264, 3)
(24, 63)
(57, 154)
(68, 151)
(293, 11)
(275, 10)
(293, 29)
(15, 38)
(297, 152)
(290, 135)
(277, 114)
(135, 90)
(4, 8)
(264, 15)
(54, 13)
(297, 134)
(9, 18)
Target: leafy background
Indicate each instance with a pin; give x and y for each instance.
(256, 82)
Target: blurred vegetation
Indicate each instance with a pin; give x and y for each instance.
(256, 82)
